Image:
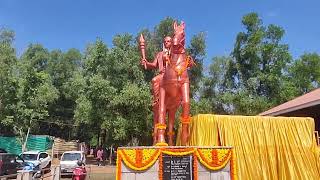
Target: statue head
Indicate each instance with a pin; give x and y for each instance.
(167, 42)
(179, 35)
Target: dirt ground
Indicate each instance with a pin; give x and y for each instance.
(94, 172)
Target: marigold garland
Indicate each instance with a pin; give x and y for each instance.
(184, 68)
(161, 126)
(195, 166)
(185, 120)
(215, 163)
(160, 167)
(139, 157)
(147, 154)
(214, 155)
(142, 159)
(118, 170)
(139, 166)
(162, 144)
(178, 152)
(130, 154)
(207, 153)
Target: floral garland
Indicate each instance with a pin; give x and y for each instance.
(161, 126)
(142, 159)
(160, 167)
(184, 68)
(185, 120)
(195, 167)
(219, 158)
(162, 144)
(138, 161)
(118, 170)
(178, 152)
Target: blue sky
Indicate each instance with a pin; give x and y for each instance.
(63, 24)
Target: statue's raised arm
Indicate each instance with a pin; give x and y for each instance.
(160, 62)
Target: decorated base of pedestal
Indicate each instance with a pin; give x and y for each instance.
(175, 163)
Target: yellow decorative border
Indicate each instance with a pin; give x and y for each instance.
(178, 152)
(142, 159)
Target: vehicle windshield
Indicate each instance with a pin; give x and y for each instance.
(29, 157)
(71, 157)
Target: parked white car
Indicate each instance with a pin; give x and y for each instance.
(69, 160)
(37, 158)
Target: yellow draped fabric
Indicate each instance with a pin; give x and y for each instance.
(265, 147)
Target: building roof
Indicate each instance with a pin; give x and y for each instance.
(307, 100)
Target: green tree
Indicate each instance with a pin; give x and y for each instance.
(197, 50)
(116, 97)
(163, 29)
(305, 72)
(8, 81)
(260, 61)
(91, 89)
(62, 66)
(214, 86)
(256, 75)
(35, 91)
(133, 98)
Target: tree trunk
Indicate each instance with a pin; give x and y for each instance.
(103, 137)
(99, 143)
(25, 141)
(110, 155)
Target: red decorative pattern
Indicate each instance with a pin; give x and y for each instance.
(195, 167)
(160, 167)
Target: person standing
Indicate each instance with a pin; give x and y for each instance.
(99, 156)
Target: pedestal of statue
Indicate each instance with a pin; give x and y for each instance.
(175, 163)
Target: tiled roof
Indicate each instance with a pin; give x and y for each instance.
(307, 100)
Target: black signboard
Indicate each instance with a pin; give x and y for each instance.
(177, 167)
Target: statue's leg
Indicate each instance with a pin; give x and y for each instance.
(155, 108)
(155, 105)
(185, 118)
(161, 126)
(170, 134)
